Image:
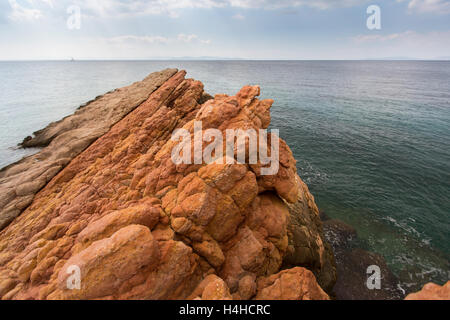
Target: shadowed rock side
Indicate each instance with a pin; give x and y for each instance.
(140, 227)
(307, 245)
(64, 140)
(352, 263)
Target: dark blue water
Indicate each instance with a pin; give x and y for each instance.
(372, 139)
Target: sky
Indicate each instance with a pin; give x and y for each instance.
(242, 29)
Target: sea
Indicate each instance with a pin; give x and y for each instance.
(372, 138)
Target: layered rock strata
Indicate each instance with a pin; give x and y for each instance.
(65, 139)
(138, 226)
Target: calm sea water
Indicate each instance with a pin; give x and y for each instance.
(372, 139)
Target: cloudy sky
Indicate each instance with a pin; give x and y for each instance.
(252, 29)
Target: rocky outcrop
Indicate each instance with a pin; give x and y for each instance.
(138, 226)
(352, 264)
(307, 245)
(292, 284)
(64, 140)
(431, 291)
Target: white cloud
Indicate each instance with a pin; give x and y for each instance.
(167, 6)
(187, 37)
(428, 6)
(319, 4)
(238, 16)
(20, 13)
(428, 45)
(49, 3)
(142, 39)
(181, 38)
(171, 8)
(117, 8)
(383, 38)
(411, 37)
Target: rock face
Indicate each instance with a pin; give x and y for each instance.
(292, 284)
(431, 291)
(64, 140)
(307, 245)
(138, 226)
(352, 264)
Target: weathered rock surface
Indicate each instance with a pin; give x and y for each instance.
(293, 284)
(339, 234)
(431, 291)
(307, 245)
(64, 140)
(139, 226)
(352, 263)
(352, 277)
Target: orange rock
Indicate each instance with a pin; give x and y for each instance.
(65, 139)
(431, 291)
(140, 227)
(143, 214)
(247, 287)
(211, 288)
(110, 262)
(293, 284)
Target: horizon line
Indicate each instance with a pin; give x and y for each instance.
(217, 59)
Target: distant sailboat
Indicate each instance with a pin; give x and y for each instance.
(72, 59)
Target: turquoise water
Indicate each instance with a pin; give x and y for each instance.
(372, 139)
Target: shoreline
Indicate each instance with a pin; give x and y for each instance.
(148, 210)
(352, 263)
(47, 136)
